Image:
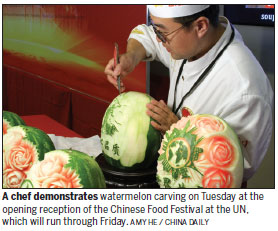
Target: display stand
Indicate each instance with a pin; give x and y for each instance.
(117, 178)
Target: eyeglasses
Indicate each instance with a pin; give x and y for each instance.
(163, 36)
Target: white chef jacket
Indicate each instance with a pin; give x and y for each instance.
(236, 89)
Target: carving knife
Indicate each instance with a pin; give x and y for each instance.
(116, 61)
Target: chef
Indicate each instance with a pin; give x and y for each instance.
(211, 72)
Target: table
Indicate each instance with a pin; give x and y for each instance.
(49, 125)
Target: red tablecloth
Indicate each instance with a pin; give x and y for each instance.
(49, 125)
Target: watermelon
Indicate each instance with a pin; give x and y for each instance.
(65, 169)
(200, 151)
(128, 140)
(22, 147)
(11, 119)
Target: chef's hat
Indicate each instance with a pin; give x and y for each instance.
(174, 11)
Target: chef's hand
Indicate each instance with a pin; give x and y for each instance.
(135, 53)
(123, 68)
(162, 115)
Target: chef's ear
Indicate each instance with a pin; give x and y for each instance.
(201, 26)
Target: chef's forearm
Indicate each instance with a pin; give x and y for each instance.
(136, 51)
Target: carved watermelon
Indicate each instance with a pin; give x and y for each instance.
(128, 139)
(200, 151)
(65, 169)
(11, 119)
(22, 147)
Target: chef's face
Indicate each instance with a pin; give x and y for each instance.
(180, 42)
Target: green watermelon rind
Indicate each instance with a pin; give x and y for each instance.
(12, 119)
(152, 147)
(85, 168)
(26, 183)
(151, 153)
(39, 139)
(88, 167)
